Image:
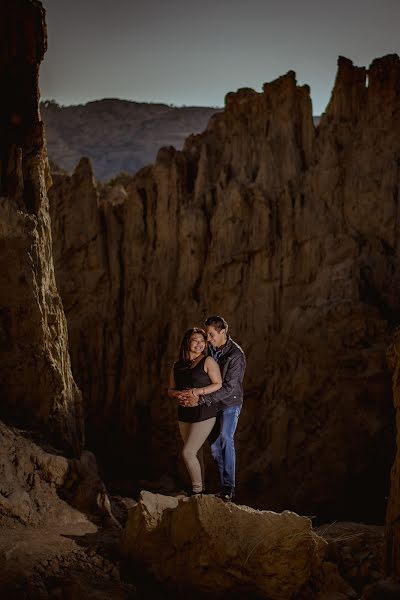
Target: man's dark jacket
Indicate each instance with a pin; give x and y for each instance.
(232, 363)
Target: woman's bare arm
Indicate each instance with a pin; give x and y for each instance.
(213, 371)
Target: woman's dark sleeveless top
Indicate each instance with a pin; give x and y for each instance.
(186, 378)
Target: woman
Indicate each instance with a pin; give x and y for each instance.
(195, 370)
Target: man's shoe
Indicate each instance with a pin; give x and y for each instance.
(227, 494)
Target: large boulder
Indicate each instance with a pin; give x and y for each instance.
(205, 544)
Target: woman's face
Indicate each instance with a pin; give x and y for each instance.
(197, 343)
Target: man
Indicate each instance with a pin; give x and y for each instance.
(232, 362)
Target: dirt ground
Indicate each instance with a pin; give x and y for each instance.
(70, 562)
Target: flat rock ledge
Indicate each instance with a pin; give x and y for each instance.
(204, 544)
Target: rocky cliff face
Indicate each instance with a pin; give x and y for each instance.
(290, 232)
(36, 384)
(52, 544)
(117, 135)
(392, 538)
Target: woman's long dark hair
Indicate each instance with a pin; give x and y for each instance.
(184, 360)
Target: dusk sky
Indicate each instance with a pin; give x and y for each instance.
(193, 53)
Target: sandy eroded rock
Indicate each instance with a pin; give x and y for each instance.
(207, 545)
(39, 486)
(31, 480)
(37, 389)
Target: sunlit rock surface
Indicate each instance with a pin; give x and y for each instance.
(207, 545)
(36, 482)
(36, 384)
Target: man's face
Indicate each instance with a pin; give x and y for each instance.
(214, 337)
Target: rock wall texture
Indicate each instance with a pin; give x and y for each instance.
(36, 383)
(117, 135)
(290, 232)
(392, 532)
(40, 487)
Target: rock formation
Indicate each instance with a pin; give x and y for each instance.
(51, 511)
(52, 544)
(203, 544)
(262, 218)
(392, 537)
(117, 135)
(357, 550)
(290, 232)
(37, 482)
(36, 384)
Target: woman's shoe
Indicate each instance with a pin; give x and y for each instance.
(192, 493)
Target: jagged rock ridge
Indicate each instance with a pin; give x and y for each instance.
(289, 231)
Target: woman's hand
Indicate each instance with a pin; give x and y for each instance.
(189, 397)
(181, 397)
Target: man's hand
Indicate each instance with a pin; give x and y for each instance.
(188, 398)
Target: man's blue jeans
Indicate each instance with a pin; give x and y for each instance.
(223, 449)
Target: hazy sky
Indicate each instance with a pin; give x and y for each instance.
(193, 53)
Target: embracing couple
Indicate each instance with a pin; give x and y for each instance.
(206, 381)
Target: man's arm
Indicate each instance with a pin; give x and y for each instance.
(233, 376)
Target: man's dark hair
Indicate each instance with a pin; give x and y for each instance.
(217, 322)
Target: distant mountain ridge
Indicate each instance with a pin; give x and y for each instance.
(117, 135)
